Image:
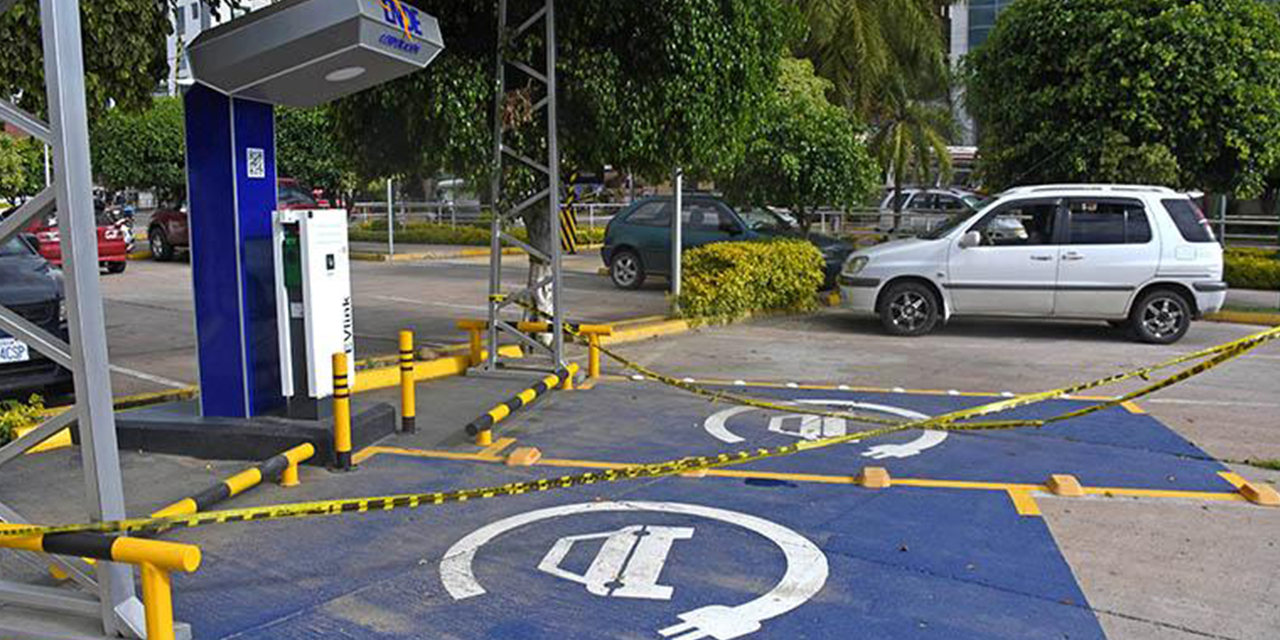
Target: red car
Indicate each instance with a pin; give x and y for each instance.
(113, 246)
(168, 231)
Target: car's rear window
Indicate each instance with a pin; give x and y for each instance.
(14, 247)
(1191, 223)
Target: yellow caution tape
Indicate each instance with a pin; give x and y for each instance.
(948, 422)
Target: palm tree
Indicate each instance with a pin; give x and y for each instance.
(911, 128)
(861, 44)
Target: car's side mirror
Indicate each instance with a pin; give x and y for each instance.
(970, 239)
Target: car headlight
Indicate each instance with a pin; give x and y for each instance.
(854, 265)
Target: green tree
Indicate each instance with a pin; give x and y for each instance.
(21, 167)
(307, 151)
(646, 86)
(911, 134)
(142, 150)
(805, 152)
(1190, 87)
(861, 45)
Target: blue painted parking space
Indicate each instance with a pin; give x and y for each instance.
(770, 555)
(672, 558)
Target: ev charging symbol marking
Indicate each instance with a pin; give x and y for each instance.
(806, 572)
(811, 427)
(628, 564)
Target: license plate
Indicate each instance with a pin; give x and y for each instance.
(13, 350)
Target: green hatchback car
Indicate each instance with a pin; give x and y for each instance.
(637, 243)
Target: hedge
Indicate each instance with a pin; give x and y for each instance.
(1252, 269)
(435, 233)
(16, 415)
(728, 280)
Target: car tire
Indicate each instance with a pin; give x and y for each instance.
(910, 309)
(161, 248)
(1160, 317)
(117, 267)
(626, 270)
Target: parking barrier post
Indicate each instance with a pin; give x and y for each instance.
(474, 340)
(341, 413)
(593, 332)
(408, 401)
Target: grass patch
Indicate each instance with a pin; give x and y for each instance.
(1272, 464)
(460, 235)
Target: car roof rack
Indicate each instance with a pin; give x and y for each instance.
(1138, 188)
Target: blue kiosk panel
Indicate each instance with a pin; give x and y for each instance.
(232, 192)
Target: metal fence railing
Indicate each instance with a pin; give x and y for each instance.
(464, 213)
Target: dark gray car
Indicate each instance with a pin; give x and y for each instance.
(33, 289)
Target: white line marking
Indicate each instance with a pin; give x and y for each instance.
(1212, 403)
(448, 305)
(142, 375)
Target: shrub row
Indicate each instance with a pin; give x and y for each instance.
(1252, 269)
(16, 415)
(728, 280)
(435, 233)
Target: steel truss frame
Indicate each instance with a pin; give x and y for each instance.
(548, 171)
(111, 598)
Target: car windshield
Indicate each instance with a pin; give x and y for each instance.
(766, 221)
(946, 227)
(974, 202)
(14, 247)
(289, 193)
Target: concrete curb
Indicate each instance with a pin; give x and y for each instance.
(1264, 318)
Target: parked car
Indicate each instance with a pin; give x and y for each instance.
(1142, 258)
(924, 209)
(637, 242)
(33, 290)
(169, 231)
(113, 242)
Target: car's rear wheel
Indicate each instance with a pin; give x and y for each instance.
(626, 270)
(1161, 317)
(161, 249)
(910, 309)
(117, 267)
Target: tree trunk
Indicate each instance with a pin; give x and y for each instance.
(538, 223)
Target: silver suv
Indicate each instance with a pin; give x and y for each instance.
(1140, 257)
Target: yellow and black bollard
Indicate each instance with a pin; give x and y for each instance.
(341, 413)
(408, 403)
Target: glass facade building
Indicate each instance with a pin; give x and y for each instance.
(982, 18)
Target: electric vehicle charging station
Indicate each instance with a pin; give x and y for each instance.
(301, 53)
(272, 288)
(313, 305)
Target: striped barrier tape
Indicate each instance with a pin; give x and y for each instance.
(953, 421)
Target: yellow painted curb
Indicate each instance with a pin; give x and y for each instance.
(140, 255)
(646, 331)
(1263, 318)
(384, 377)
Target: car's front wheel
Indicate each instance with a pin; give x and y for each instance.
(910, 309)
(626, 270)
(1161, 317)
(161, 250)
(117, 266)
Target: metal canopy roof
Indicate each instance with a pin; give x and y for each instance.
(307, 52)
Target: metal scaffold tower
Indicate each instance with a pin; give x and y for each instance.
(515, 105)
(107, 590)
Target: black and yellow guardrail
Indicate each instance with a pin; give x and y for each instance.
(954, 421)
(284, 466)
(482, 427)
(155, 559)
(568, 219)
(591, 333)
